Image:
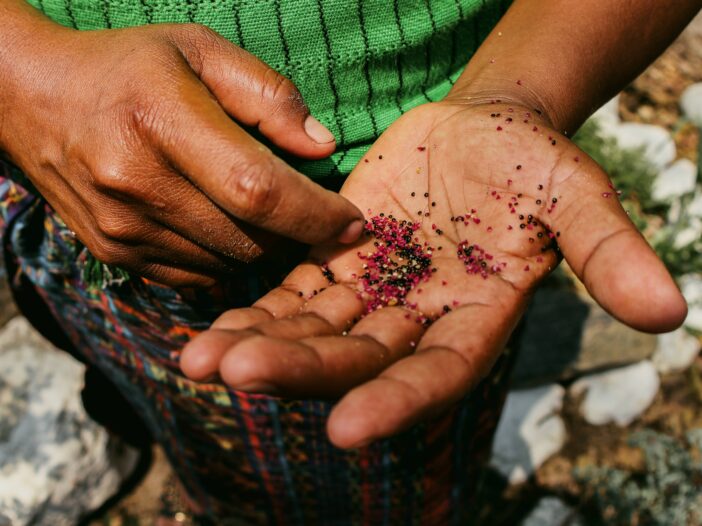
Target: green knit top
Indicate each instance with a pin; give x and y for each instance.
(359, 64)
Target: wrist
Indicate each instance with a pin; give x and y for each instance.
(522, 93)
(28, 41)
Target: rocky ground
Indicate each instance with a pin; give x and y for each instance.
(574, 433)
(586, 385)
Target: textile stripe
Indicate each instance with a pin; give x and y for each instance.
(280, 446)
(71, 15)
(283, 40)
(428, 50)
(237, 25)
(255, 457)
(403, 45)
(330, 70)
(148, 11)
(366, 66)
(105, 5)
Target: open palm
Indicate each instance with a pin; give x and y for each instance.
(469, 206)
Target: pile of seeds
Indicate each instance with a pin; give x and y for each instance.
(477, 261)
(397, 265)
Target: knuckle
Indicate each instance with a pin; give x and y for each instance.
(196, 42)
(279, 92)
(146, 115)
(111, 178)
(113, 227)
(107, 251)
(253, 185)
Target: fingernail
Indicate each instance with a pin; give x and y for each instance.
(351, 232)
(317, 132)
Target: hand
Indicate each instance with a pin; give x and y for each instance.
(128, 135)
(513, 187)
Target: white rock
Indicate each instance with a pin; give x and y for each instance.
(676, 180)
(609, 111)
(529, 432)
(552, 511)
(690, 234)
(691, 103)
(607, 116)
(56, 464)
(619, 395)
(694, 208)
(691, 288)
(658, 144)
(676, 351)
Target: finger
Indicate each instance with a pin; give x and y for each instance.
(246, 179)
(337, 305)
(324, 310)
(320, 366)
(201, 358)
(456, 352)
(253, 93)
(611, 257)
(140, 185)
(112, 252)
(174, 277)
(285, 300)
(120, 235)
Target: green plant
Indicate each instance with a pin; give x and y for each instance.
(666, 493)
(633, 176)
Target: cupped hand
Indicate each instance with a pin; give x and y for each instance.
(129, 135)
(468, 207)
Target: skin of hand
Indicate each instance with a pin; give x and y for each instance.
(391, 371)
(130, 136)
(465, 158)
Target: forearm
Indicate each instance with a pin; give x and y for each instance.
(26, 39)
(568, 57)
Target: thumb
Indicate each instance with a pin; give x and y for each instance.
(610, 256)
(253, 93)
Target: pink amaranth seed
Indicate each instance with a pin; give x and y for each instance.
(476, 260)
(396, 266)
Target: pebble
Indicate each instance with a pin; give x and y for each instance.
(678, 179)
(676, 351)
(659, 147)
(529, 432)
(688, 235)
(691, 103)
(619, 395)
(552, 511)
(607, 116)
(691, 288)
(56, 463)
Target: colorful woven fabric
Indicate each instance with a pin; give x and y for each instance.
(246, 459)
(359, 64)
(252, 459)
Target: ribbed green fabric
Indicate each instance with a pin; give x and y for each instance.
(359, 64)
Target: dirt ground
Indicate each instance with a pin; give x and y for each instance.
(652, 98)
